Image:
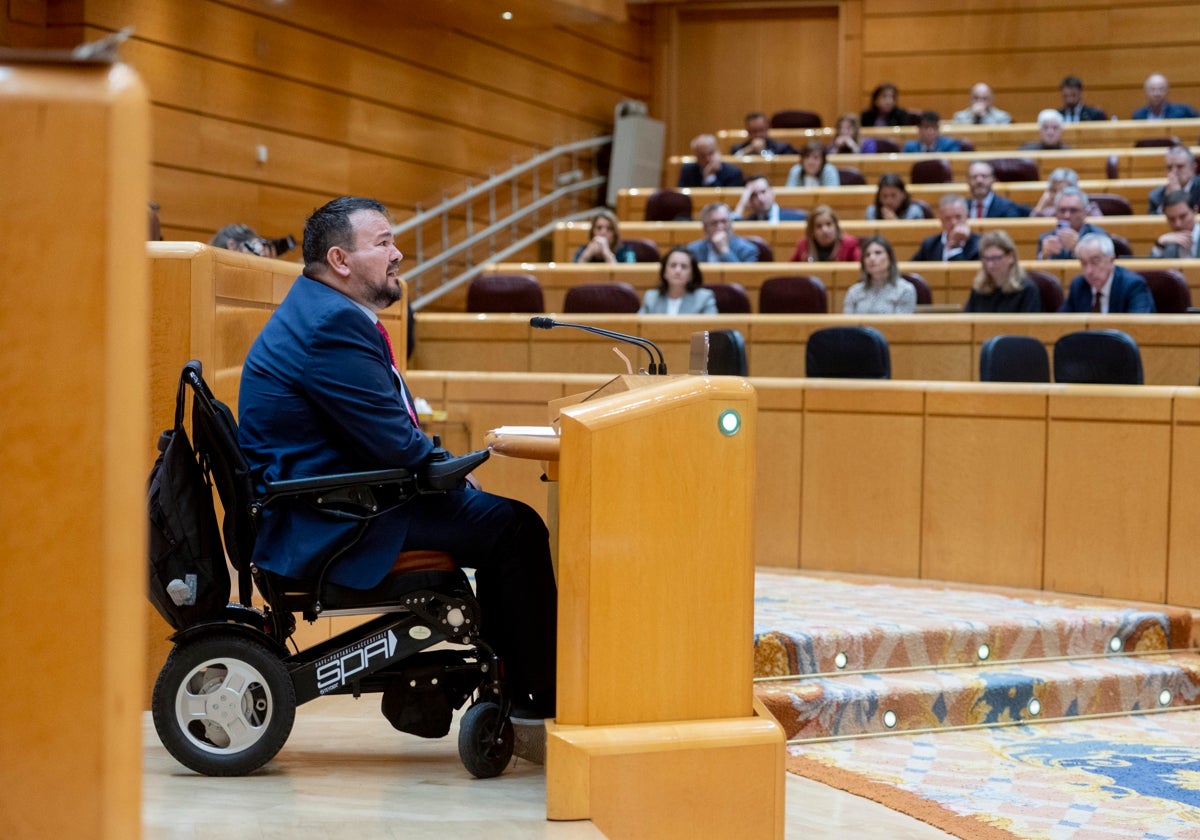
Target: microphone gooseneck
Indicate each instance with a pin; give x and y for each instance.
(540, 322)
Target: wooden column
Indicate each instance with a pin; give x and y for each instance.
(73, 383)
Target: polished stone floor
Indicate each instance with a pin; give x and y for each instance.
(345, 773)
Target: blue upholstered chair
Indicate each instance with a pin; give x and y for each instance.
(1101, 357)
(857, 352)
(1013, 358)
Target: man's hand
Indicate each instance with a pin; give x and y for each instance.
(958, 235)
(1183, 240)
(1068, 238)
(1052, 245)
(720, 241)
(755, 146)
(714, 164)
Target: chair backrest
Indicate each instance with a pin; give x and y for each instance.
(794, 118)
(601, 297)
(1112, 167)
(926, 210)
(856, 352)
(505, 293)
(668, 205)
(765, 252)
(924, 294)
(727, 353)
(1169, 289)
(931, 171)
(1121, 246)
(885, 146)
(644, 249)
(1110, 204)
(849, 176)
(1049, 289)
(1015, 169)
(731, 298)
(1142, 142)
(1013, 358)
(1102, 357)
(793, 293)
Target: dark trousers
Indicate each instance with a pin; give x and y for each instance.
(507, 545)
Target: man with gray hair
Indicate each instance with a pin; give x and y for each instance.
(709, 170)
(1070, 209)
(1050, 132)
(1181, 175)
(956, 241)
(719, 243)
(1105, 286)
(1157, 107)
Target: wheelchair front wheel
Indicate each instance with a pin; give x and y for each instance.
(485, 740)
(223, 705)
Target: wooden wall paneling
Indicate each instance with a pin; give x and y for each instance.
(984, 486)
(1183, 575)
(1108, 479)
(861, 474)
(778, 466)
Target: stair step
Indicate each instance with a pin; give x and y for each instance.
(1000, 693)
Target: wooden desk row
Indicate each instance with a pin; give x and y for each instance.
(850, 202)
(1095, 135)
(939, 346)
(1140, 231)
(983, 483)
(1087, 163)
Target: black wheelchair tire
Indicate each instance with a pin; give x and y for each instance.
(485, 740)
(214, 689)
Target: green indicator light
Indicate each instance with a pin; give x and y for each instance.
(729, 422)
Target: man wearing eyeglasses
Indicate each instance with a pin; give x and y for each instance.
(1105, 286)
(1070, 209)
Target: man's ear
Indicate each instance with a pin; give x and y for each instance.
(335, 258)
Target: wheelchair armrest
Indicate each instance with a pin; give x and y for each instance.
(446, 473)
(297, 486)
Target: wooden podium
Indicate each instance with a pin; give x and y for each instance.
(657, 734)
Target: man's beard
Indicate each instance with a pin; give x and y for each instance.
(384, 295)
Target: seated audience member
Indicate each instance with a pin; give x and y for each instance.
(813, 170)
(1183, 240)
(758, 204)
(320, 395)
(892, 201)
(242, 238)
(982, 111)
(719, 244)
(984, 203)
(1105, 286)
(1181, 175)
(880, 290)
(709, 170)
(680, 288)
(929, 136)
(1059, 178)
(846, 140)
(1001, 284)
(956, 241)
(1157, 107)
(757, 141)
(1073, 109)
(1071, 211)
(825, 241)
(604, 242)
(1050, 131)
(884, 110)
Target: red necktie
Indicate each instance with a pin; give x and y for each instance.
(387, 339)
(978, 209)
(1096, 302)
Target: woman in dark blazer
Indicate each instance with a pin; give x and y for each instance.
(884, 110)
(1001, 284)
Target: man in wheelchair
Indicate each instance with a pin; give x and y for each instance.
(320, 395)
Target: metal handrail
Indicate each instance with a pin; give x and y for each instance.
(568, 184)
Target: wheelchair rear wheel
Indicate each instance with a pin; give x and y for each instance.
(485, 740)
(223, 705)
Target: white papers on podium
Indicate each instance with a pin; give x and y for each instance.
(526, 431)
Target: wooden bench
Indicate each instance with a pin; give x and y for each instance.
(1088, 163)
(1093, 135)
(905, 236)
(850, 202)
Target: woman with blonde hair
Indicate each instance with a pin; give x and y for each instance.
(604, 242)
(1001, 284)
(846, 140)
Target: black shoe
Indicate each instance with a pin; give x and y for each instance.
(534, 709)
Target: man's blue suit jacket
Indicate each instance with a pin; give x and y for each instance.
(1171, 111)
(740, 250)
(727, 176)
(943, 144)
(319, 397)
(1129, 294)
(1000, 208)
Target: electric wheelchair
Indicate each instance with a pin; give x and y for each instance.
(225, 700)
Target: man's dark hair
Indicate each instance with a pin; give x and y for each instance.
(1072, 82)
(754, 115)
(329, 225)
(930, 118)
(1177, 197)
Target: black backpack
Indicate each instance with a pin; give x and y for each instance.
(189, 581)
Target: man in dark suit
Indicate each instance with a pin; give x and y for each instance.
(758, 142)
(1070, 210)
(1181, 175)
(758, 204)
(956, 241)
(321, 395)
(1157, 107)
(1183, 240)
(1105, 286)
(1073, 109)
(985, 204)
(709, 170)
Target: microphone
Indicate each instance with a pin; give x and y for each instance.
(543, 323)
